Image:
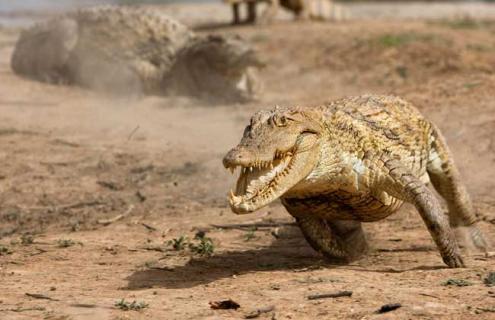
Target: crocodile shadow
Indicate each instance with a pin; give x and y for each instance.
(292, 254)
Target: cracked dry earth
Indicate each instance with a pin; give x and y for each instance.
(92, 187)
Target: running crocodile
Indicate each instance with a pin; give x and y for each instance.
(351, 161)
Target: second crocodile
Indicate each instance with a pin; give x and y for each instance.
(136, 50)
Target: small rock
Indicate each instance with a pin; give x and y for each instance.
(389, 307)
(490, 279)
(224, 304)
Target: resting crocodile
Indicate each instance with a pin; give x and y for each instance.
(351, 161)
(138, 50)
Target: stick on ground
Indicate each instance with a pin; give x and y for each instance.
(243, 226)
(107, 222)
(330, 295)
(40, 296)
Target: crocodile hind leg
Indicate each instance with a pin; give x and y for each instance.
(446, 179)
(341, 241)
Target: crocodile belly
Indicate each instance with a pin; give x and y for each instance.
(342, 206)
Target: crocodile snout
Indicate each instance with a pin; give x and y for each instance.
(237, 157)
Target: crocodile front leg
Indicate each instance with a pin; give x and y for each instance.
(236, 13)
(398, 181)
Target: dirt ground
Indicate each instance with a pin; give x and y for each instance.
(93, 188)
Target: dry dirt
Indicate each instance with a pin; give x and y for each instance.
(73, 162)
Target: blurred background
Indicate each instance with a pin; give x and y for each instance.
(94, 186)
(22, 12)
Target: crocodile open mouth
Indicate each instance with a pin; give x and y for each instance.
(257, 184)
(262, 181)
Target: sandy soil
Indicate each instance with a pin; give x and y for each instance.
(93, 187)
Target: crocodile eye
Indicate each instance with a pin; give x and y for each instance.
(279, 121)
(247, 130)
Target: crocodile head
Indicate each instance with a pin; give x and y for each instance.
(221, 68)
(279, 149)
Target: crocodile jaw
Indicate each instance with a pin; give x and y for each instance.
(262, 182)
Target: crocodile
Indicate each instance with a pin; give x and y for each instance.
(122, 49)
(302, 9)
(350, 161)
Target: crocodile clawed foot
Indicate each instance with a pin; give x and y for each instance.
(454, 261)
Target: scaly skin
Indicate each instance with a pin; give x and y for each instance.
(136, 50)
(351, 161)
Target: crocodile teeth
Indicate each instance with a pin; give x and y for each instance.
(234, 200)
